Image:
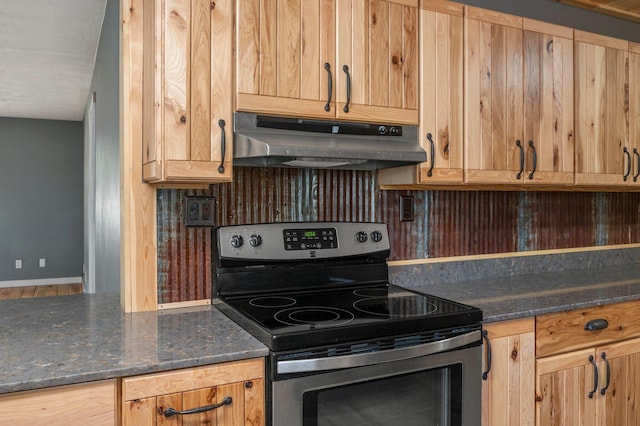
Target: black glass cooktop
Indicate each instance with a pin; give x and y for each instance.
(291, 320)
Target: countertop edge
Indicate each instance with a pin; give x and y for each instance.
(116, 373)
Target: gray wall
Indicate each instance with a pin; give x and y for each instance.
(106, 86)
(551, 11)
(40, 198)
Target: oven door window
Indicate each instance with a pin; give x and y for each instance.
(425, 398)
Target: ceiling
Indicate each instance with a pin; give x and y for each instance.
(48, 50)
(626, 9)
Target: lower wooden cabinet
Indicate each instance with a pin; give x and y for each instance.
(588, 366)
(83, 404)
(508, 391)
(595, 386)
(229, 394)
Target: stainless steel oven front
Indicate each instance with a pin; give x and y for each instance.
(436, 383)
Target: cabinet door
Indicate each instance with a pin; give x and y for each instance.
(508, 393)
(563, 385)
(441, 94)
(187, 97)
(619, 396)
(548, 105)
(634, 110)
(602, 154)
(494, 144)
(285, 57)
(441, 99)
(377, 75)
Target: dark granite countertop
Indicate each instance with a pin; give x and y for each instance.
(71, 339)
(526, 295)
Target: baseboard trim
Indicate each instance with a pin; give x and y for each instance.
(42, 281)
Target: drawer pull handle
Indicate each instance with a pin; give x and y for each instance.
(535, 159)
(596, 324)
(327, 106)
(345, 68)
(433, 154)
(521, 148)
(223, 145)
(595, 376)
(606, 386)
(485, 336)
(628, 156)
(170, 412)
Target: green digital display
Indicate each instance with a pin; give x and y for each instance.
(310, 234)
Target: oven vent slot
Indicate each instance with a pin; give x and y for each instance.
(378, 345)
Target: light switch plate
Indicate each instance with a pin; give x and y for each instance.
(406, 208)
(199, 211)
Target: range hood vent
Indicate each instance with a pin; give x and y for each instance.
(265, 141)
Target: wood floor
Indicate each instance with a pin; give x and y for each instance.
(40, 291)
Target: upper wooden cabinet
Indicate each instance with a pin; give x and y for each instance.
(441, 96)
(548, 103)
(441, 92)
(187, 95)
(519, 100)
(634, 110)
(287, 62)
(603, 155)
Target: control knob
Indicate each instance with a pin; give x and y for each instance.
(236, 241)
(376, 236)
(255, 240)
(362, 237)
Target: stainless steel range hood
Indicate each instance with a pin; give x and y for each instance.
(265, 141)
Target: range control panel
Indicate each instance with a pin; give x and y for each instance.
(301, 240)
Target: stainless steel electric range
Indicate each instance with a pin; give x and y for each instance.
(346, 346)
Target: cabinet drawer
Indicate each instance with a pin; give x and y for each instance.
(565, 331)
(139, 387)
(83, 404)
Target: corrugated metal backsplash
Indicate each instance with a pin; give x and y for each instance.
(446, 223)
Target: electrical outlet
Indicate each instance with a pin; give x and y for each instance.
(199, 211)
(43, 262)
(406, 208)
(18, 264)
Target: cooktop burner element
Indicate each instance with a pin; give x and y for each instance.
(272, 302)
(394, 307)
(314, 316)
(302, 285)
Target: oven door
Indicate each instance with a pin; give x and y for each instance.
(441, 389)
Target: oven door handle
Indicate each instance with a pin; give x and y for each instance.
(371, 358)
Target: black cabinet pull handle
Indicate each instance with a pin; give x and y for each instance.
(535, 159)
(596, 324)
(433, 154)
(519, 145)
(595, 376)
(223, 148)
(345, 68)
(170, 412)
(637, 154)
(485, 336)
(628, 155)
(327, 106)
(606, 361)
